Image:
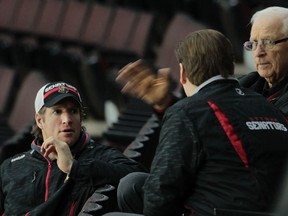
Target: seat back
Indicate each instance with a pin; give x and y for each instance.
(140, 33)
(73, 19)
(120, 30)
(50, 18)
(94, 32)
(7, 9)
(22, 113)
(27, 13)
(7, 76)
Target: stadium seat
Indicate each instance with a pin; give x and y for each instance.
(15, 130)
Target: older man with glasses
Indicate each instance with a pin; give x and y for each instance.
(268, 43)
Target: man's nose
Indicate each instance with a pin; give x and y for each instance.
(66, 118)
(260, 50)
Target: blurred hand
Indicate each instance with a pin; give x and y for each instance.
(56, 149)
(139, 81)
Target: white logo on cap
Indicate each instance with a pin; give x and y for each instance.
(63, 89)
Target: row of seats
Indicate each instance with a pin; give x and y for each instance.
(78, 42)
(102, 27)
(77, 22)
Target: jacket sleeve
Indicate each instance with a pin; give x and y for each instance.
(174, 166)
(104, 165)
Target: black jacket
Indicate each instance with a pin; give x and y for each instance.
(223, 147)
(277, 95)
(33, 184)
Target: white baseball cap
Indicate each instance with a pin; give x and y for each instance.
(51, 93)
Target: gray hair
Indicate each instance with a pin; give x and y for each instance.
(275, 12)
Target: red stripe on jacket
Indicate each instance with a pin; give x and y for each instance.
(229, 130)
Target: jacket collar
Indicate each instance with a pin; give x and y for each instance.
(76, 149)
(212, 79)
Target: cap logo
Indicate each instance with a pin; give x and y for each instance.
(63, 89)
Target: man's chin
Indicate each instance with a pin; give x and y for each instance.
(266, 74)
(69, 140)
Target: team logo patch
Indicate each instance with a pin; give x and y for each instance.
(63, 89)
(239, 91)
(265, 125)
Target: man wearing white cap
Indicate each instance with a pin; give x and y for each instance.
(64, 166)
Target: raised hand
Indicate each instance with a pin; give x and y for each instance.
(139, 81)
(56, 149)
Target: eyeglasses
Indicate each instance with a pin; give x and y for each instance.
(266, 43)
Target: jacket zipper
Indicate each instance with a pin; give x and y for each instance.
(71, 212)
(47, 180)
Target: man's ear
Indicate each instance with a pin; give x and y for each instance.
(183, 78)
(39, 120)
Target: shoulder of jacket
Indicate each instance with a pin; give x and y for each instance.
(248, 79)
(16, 159)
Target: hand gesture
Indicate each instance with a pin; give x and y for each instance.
(56, 149)
(139, 81)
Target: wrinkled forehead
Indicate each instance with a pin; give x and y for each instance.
(266, 28)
